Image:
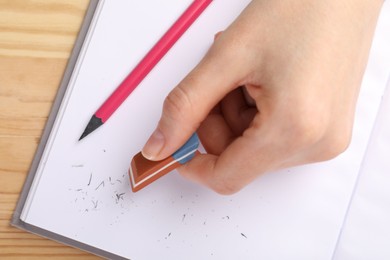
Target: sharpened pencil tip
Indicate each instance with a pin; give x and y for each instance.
(93, 124)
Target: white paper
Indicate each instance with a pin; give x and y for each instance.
(366, 233)
(82, 190)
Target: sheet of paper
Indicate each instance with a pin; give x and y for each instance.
(366, 233)
(82, 189)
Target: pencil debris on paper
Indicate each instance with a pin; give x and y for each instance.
(102, 183)
(77, 165)
(90, 179)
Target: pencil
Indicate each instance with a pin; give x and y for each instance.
(145, 65)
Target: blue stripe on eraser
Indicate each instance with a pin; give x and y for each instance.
(190, 146)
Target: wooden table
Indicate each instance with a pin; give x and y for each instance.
(36, 38)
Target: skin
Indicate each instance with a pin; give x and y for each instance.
(301, 63)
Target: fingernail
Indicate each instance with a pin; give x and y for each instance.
(154, 145)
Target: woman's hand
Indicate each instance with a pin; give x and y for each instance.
(301, 63)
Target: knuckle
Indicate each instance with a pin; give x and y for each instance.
(235, 42)
(326, 140)
(336, 144)
(315, 129)
(178, 103)
(231, 48)
(307, 132)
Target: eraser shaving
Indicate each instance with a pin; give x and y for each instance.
(142, 171)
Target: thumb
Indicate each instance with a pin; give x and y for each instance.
(188, 104)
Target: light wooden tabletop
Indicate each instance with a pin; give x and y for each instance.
(36, 38)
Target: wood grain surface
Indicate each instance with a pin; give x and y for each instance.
(36, 38)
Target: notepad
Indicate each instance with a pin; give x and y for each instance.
(369, 210)
(79, 193)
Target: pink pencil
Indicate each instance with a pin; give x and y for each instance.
(145, 65)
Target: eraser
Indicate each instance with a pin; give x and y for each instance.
(142, 171)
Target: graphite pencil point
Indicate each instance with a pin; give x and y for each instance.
(93, 124)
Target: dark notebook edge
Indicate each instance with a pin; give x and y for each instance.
(16, 221)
